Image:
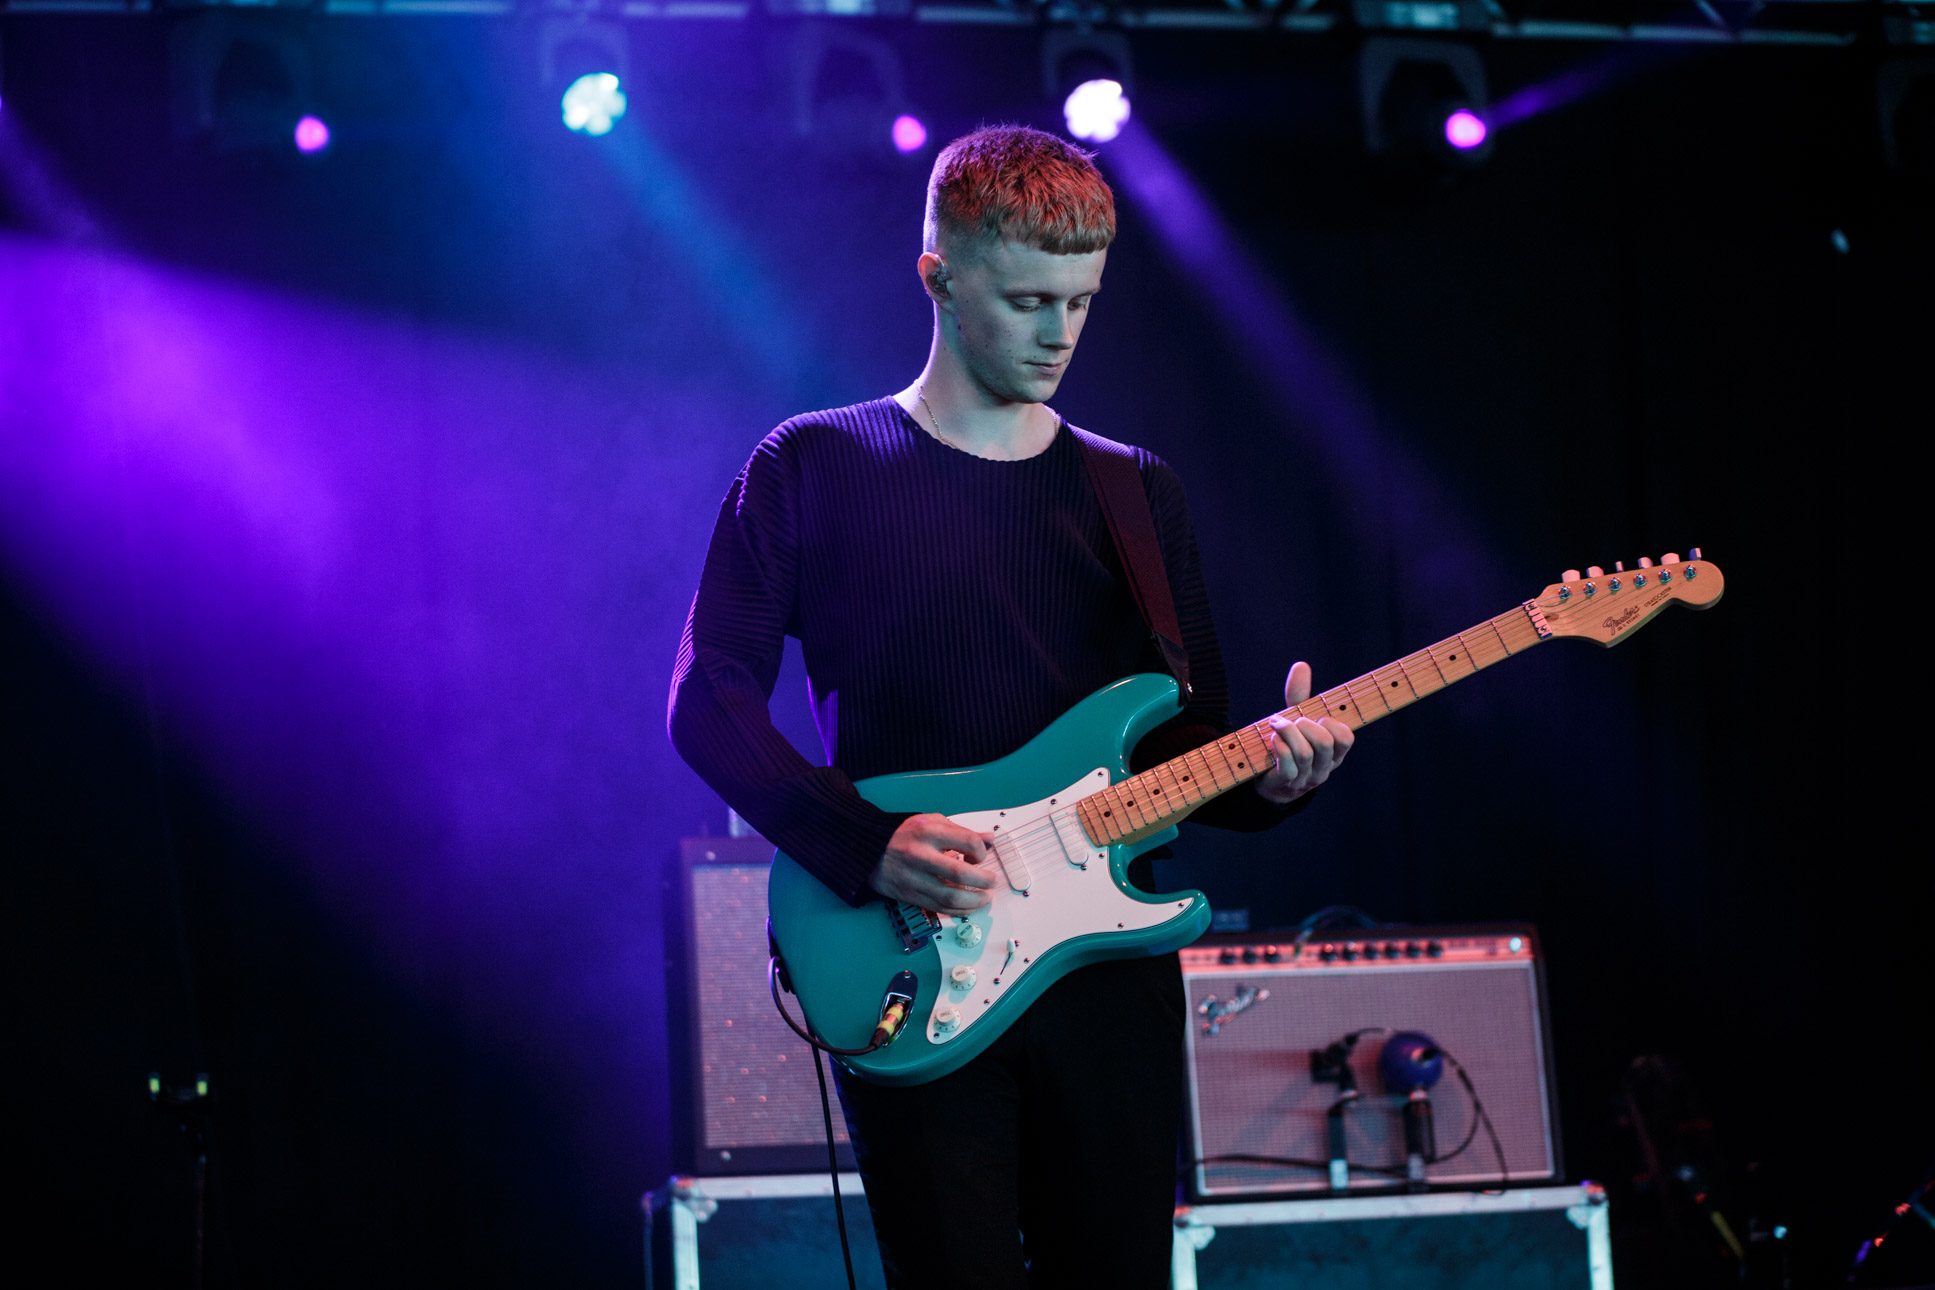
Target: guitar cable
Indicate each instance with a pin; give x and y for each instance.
(1480, 1116)
(893, 1013)
(833, 1172)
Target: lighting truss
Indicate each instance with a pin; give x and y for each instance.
(1741, 22)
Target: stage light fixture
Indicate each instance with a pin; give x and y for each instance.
(1905, 99)
(588, 63)
(594, 103)
(239, 83)
(1424, 102)
(1091, 74)
(1096, 110)
(908, 133)
(312, 134)
(849, 97)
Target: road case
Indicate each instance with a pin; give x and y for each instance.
(1536, 1238)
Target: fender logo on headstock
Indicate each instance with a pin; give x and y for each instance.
(1618, 624)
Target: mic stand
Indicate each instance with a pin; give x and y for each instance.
(1332, 1066)
(1420, 1138)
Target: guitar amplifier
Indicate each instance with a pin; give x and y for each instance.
(744, 1095)
(1264, 1011)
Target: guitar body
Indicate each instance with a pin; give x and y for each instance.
(1065, 901)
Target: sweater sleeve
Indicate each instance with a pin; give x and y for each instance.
(729, 658)
(1207, 715)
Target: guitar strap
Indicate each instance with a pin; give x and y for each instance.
(1117, 480)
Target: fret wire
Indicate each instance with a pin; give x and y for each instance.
(1432, 654)
(1493, 624)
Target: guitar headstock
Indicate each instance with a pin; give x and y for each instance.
(1605, 608)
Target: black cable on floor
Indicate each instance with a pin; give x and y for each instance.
(833, 1166)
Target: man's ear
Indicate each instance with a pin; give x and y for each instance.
(934, 277)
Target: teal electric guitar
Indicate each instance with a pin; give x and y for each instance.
(1068, 817)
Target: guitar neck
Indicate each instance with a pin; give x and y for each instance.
(1146, 804)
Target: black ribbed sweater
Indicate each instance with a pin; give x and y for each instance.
(948, 607)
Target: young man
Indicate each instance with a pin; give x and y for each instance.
(944, 561)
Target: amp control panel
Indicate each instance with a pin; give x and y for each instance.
(1367, 947)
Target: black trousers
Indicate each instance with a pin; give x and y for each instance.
(1048, 1161)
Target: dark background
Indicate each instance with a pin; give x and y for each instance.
(1629, 332)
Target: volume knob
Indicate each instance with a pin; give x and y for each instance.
(966, 934)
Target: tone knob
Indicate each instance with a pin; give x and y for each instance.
(1370, 950)
(1249, 953)
(966, 934)
(962, 977)
(1350, 951)
(1271, 953)
(1327, 953)
(1228, 955)
(1436, 949)
(946, 1018)
(1412, 949)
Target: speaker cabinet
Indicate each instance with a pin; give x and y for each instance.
(1479, 992)
(745, 1099)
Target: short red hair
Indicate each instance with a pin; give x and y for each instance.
(1011, 183)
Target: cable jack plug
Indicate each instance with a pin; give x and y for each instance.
(894, 1007)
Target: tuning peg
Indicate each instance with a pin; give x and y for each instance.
(1619, 566)
(1570, 575)
(1671, 557)
(1645, 562)
(1594, 571)
(1693, 553)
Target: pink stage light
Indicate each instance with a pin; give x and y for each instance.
(312, 134)
(909, 134)
(1464, 129)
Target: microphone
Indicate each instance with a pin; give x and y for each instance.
(1411, 1063)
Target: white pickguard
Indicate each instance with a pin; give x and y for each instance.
(1048, 897)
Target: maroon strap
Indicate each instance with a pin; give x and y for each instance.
(1117, 479)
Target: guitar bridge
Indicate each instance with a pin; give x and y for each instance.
(915, 926)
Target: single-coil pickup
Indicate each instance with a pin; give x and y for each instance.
(1074, 842)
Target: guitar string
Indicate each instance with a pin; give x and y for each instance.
(1355, 689)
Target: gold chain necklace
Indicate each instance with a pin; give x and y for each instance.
(921, 394)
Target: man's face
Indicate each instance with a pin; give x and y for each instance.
(1018, 312)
